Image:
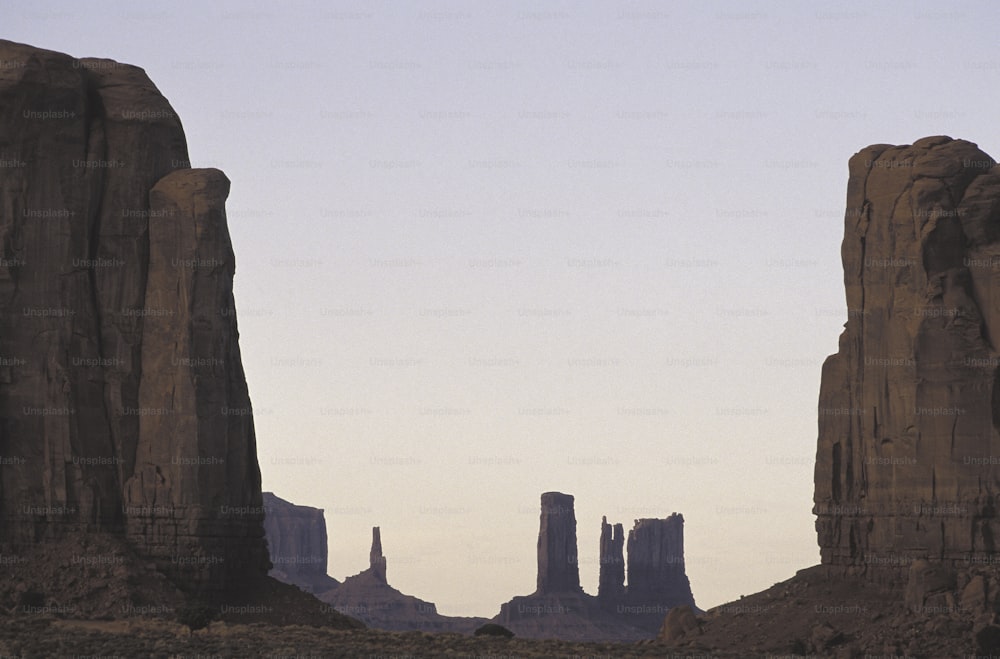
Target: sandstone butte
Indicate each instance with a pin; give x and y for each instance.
(906, 473)
(559, 607)
(126, 429)
(908, 458)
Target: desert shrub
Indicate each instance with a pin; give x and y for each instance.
(493, 629)
(799, 647)
(31, 598)
(196, 615)
(988, 640)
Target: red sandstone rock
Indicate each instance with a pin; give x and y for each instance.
(910, 405)
(123, 402)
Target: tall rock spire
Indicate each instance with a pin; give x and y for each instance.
(376, 560)
(558, 567)
(611, 582)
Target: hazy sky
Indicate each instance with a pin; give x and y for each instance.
(491, 249)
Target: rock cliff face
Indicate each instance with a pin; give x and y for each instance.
(297, 542)
(657, 581)
(656, 575)
(123, 403)
(909, 407)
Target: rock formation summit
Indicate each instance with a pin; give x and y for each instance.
(125, 421)
(909, 408)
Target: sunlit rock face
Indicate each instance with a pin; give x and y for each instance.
(908, 452)
(123, 403)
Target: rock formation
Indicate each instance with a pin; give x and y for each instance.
(657, 581)
(656, 575)
(559, 608)
(558, 567)
(909, 412)
(297, 542)
(368, 597)
(611, 582)
(123, 403)
(909, 408)
(376, 560)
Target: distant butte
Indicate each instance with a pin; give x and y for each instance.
(368, 597)
(559, 608)
(657, 581)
